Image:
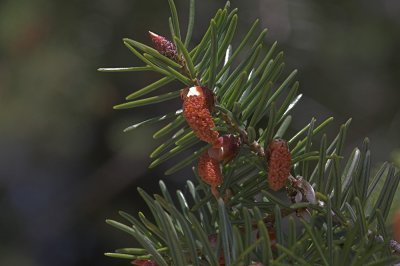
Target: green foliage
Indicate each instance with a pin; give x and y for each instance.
(255, 224)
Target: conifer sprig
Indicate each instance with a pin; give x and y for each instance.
(323, 216)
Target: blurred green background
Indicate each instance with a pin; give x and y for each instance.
(65, 163)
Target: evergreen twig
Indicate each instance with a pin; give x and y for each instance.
(321, 217)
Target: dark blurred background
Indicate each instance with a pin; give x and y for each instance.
(65, 163)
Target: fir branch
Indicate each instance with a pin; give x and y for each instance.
(246, 225)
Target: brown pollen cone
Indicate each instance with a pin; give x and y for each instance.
(197, 105)
(209, 172)
(279, 163)
(164, 46)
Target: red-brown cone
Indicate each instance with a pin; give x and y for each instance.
(279, 163)
(396, 226)
(164, 46)
(213, 239)
(144, 263)
(210, 172)
(225, 148)
(197, 104)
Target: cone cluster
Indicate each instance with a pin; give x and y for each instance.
(198, 104)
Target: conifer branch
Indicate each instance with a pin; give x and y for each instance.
(270, 203)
